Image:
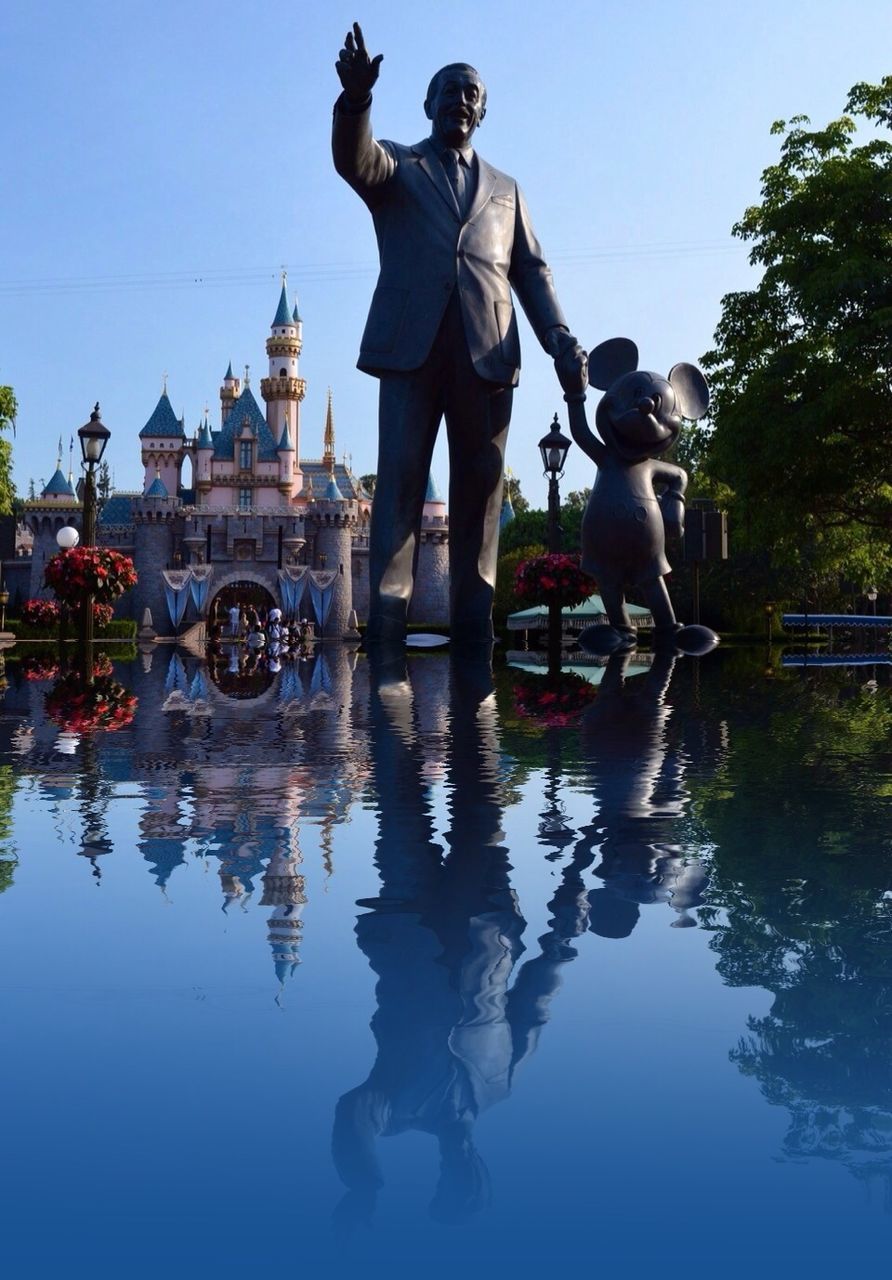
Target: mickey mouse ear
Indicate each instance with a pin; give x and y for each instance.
(691, 391)
(610, 360)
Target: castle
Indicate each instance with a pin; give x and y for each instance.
(244, 511)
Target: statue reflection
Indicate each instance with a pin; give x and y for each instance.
(636, 769)
(443, 936)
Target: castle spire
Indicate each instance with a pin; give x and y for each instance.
(283, 314)
(328, 455)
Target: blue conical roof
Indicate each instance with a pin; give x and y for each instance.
(285, 445)
(295, 315)
(332, 492)
(156, 489)
(433, 493)
(229, 376)
(164, 421)
(245, 407)
(507, 513)
(205, 439)
(283, 315)
(59, 486)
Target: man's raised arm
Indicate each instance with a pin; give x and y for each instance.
(358, 158)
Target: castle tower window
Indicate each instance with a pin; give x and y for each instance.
(245, 455)
(244, 499)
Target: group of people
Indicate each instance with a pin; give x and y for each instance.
(260, 627)
(257, 639)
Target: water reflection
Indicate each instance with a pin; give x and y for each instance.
(226, 781)
(443, 936)
(759, 811)
(802, 906)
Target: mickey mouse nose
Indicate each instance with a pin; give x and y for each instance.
(646, 405)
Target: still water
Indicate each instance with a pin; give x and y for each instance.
(328, 971)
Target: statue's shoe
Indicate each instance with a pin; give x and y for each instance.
(602, 640)
(695, 640)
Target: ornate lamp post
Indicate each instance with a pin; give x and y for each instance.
(93, 437)
(66, 538)
(554, 448)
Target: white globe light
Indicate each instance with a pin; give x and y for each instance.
(67, 537)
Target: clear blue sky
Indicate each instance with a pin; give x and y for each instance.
(162, 160)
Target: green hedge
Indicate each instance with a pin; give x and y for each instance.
(117, 629)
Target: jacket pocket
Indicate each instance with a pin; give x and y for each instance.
(385, 318)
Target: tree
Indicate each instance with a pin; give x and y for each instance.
(512, 491)
(801, 376)
(368, 483)
(103, 483)
(32, 490)
(8, 409)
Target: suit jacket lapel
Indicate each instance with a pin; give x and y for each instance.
(486, 181)
(430, 163)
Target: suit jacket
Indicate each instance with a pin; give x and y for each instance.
(426, 250)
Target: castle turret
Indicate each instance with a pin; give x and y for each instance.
(162, 441)
(229, 393)
(204, 452)
(287, 457)
(283, 388)
(430, 599)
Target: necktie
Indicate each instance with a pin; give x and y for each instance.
(458, 178)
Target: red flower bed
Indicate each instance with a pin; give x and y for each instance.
(553, 579)
(554, 703)
(96, 571)
(36, 667)
(82, 708)
(41, 613)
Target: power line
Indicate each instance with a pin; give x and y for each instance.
(229, 278)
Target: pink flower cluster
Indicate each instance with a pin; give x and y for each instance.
(553, 579)
(98, 571)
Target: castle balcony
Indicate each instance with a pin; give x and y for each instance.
(282, 346)
(206, 512)
(283, 388)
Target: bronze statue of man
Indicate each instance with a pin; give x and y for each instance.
(454, 239)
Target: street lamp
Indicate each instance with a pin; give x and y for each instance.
(553, 448)
(93, 436)
(67, 538)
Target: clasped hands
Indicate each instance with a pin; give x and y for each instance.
(570, 362)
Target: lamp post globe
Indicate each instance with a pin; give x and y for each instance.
(67, 537)
(93, 436)
(553, 449)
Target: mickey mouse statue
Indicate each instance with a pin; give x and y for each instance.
(625, 523)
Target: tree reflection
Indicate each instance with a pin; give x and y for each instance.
(801, 906)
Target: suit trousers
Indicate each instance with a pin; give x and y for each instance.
(477, 413)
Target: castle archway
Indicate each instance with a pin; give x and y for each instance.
(242, 589)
